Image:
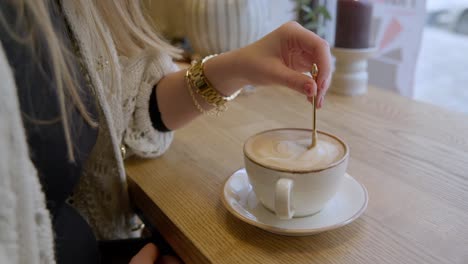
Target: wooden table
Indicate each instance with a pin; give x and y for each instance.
(411, 156)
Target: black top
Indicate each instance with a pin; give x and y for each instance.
(74, 239)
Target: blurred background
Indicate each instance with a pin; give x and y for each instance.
(442, 68)
(422, 45)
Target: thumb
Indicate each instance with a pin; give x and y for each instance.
(147, 255)
(295, 80)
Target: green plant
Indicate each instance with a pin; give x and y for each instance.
(310, 16)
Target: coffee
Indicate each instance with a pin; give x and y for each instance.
(288, 150)
(288, 178)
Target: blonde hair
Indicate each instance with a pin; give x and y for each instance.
(126, 21)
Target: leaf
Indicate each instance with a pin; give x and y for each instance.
(301, 3)
(310, 16)
(306, 8)
(311, 26)
(324, 12)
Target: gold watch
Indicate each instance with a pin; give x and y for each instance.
(196, 77)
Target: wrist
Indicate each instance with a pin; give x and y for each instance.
(225, 73)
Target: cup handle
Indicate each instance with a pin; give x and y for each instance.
(283, 207)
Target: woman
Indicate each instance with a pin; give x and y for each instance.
(86, 84)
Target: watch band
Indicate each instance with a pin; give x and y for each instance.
(196, 77)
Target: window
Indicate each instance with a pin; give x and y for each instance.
(442, 71)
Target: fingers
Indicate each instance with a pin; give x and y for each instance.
(319, 48)
(296, 81)
(323, 58)
(147, 255)
(319, 101)
(321, 93)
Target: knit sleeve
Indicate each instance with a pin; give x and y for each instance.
(140, 76)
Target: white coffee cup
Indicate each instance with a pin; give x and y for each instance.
(295, 192)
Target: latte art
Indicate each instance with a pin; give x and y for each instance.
(289, 150)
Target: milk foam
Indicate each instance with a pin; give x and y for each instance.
(288, 149)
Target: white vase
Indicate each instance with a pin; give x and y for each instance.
(216, 26)
(350, 76)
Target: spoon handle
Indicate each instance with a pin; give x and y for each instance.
(314, 73)
(314, 125)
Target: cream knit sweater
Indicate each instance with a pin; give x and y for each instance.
(101, 195)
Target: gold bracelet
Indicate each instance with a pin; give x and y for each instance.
(214, 111)
(196, 78)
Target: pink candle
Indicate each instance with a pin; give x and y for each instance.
(353, 23)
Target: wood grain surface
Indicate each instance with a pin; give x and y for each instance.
(411, 156)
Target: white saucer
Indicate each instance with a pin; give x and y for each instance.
(347, 205)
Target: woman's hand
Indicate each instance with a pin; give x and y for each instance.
(280, 57)
(149, 254)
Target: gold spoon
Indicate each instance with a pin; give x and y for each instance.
(314, 72)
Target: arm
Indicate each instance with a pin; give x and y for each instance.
(278, 58)
(139, 77)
